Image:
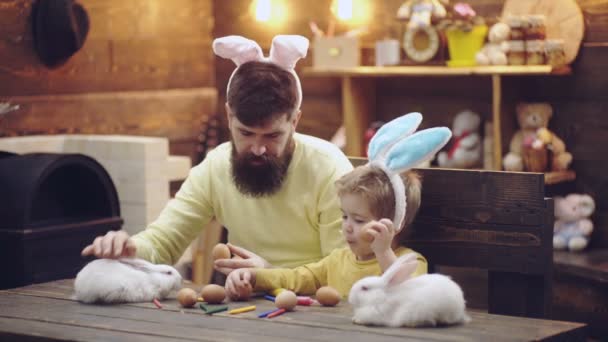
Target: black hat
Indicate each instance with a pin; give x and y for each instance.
(59, 29)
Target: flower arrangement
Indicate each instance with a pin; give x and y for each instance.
(460, 16)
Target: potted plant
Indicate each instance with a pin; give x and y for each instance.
(465, 32)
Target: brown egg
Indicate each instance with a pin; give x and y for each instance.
(213, 294)
(286, 300)
(220, 251)
(186, 297)
(365, 234)
(328, 296)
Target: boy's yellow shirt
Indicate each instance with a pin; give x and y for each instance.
(340, 270)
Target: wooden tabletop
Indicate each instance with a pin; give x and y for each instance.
(46, 311)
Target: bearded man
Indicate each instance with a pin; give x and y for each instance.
(272, 188)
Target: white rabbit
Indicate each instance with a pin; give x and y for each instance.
(125, 280)
(395, 300)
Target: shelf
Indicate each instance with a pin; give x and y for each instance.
(359, 94)
(401, 71)
(559, 177)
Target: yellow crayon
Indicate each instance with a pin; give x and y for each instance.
(241, 310)
(276, 292)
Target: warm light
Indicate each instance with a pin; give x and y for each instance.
(263, 10)
(345, 9)
(351, 11)
(269, 11)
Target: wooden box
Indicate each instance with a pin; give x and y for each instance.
(336, 52)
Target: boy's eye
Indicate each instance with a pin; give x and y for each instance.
(245, 133)
(359, 221)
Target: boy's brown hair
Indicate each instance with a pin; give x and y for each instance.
(375, 187)
(260, 92)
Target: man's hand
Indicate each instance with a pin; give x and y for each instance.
(246, 259)
(113, 245)
(239, 283)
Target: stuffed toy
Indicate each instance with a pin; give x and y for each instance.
(534, 147)
(495, 50)
(572, 228)
(464, 150)
(420, 12)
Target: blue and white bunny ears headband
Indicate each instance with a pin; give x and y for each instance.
(395, 148)
(285, 52)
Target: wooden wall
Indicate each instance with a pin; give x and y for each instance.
(580, 101)
(146, 69)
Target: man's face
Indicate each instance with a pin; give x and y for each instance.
(261, 155)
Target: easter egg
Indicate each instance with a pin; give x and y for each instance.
(328, 296)
(220, 251)
(366, 232)
(213, 294)
(286, 300)
(186, 297)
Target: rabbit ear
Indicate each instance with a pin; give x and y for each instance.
(392, 132)
(417, 148)
(286, 50)
(137, 264)
(239, 49)
(401, 270)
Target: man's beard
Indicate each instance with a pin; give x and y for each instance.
(263, 179)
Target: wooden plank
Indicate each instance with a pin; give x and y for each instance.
(174, 114)
(328, 324)
(592, 265)
(358, 101)
(130, 46)
(439, 71)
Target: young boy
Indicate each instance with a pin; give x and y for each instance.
(367, 198)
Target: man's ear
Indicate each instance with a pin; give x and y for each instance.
(229, 115)
(296, 119)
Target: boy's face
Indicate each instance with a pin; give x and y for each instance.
(355, 214)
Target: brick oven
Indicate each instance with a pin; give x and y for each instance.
(51, 207)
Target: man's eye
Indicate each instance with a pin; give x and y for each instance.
(245, 133)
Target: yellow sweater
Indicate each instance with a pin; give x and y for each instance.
(299, 224)
(339, 270)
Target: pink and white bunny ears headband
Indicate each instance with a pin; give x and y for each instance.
(285, 52)
(395, 148)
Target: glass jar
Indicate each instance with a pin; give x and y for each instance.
(535, 53)
(555, 53)
(536, 29)
(518, 27)
(517, 52)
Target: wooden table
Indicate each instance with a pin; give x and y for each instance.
(45, 311)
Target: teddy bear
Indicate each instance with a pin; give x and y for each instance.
(464, 150)
(495, 50)
(572, 227)
(534, 147)
(420, 12)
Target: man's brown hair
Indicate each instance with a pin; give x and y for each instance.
(260, 92)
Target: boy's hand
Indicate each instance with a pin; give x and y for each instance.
(113, 245)
(382, 233)
(246, 259)
(239, 283)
